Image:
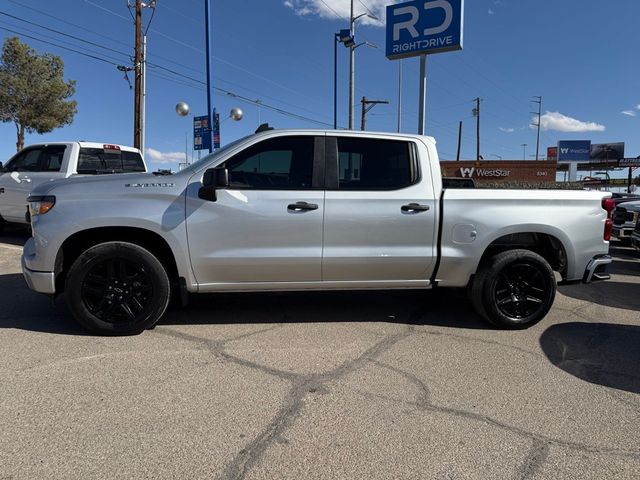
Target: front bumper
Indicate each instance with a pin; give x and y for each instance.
(42, 282)
(595, 271)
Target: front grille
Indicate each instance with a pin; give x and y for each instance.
(637, 229)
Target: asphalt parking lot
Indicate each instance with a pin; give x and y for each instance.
(324, 385)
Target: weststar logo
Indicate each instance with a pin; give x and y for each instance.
(483, 172)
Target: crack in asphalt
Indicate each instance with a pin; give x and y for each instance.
(305, 384)
(422, 405)
(302, 386)
(534, 460)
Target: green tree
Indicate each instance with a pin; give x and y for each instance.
(33, 93)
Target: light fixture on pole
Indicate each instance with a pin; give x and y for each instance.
(236, 114)
(352, 61)
(182, 109)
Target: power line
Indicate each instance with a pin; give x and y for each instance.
(368, 9)
(42, 35)
(336, 13)
(63, 33)
(218, 59)
(49, 15)
(169, 70)
(60, 46)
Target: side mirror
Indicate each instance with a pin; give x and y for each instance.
(1, 167)
(213, 179)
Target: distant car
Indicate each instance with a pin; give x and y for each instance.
(625, 218)
(41, 163)
(619, 198)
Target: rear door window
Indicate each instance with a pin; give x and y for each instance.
(101, 160)
(375, 164)
(52, 156)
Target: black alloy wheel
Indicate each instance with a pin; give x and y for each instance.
(117, 288)
(514, 289)
(520, 290)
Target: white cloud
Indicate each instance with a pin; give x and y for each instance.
(491, 12)
(156, 156)
(506, 130)
(558, 122)
(629, 113)
(638, 106)
(340, 9)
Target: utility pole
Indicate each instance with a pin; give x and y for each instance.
(476, 113)
(524, 151)
(352, 68)
(137, 102)
(539, 113)
(366, 106)
(143, 97)
(459, 141)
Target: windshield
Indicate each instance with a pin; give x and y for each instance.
(197, 165)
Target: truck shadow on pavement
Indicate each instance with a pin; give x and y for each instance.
(609, 294)
(443, 308)
(601, 353)
(26, 310)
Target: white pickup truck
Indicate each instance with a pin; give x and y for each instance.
(41, 163)
(307, 210)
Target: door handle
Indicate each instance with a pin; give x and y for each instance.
(25, 179)
(415, 207)
(302, 206)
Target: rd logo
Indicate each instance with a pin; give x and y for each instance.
(423, 27)
(410, 25)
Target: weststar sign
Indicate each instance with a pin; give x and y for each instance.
(501, 171)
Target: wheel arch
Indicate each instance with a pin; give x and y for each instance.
(550, 246)
(80, 241)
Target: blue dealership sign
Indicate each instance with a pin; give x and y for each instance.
(574, 151)
(424, 27)
(202, 133)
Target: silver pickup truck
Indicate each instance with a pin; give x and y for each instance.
(307, 210)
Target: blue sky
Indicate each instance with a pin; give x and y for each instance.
(580, 55)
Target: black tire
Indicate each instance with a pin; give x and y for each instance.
(514, 289)
(2, 224)
(117, 288)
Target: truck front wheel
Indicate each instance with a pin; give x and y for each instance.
(117, 288)
(514, 289)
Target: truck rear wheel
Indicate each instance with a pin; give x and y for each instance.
(117, 288)
(514, 289)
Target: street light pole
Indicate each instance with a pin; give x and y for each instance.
(207, 39)
(336, 39)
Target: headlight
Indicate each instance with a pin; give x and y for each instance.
(40, 204)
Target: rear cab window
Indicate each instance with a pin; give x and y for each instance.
(109, 159)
